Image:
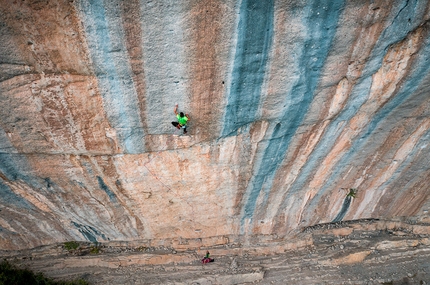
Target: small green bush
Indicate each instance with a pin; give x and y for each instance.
(352, 192)
(95, 250)
(71, 245)
(141, 248)
(10, 274)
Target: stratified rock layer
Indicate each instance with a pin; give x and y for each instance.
(368, 252)
(290, 101)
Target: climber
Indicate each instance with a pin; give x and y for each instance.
(206, 259)
(182, 120)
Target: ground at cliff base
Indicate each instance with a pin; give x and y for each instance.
(355, 252)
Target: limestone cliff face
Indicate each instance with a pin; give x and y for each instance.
(290, 101)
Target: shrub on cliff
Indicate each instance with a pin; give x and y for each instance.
(10, 274)
(71, 245)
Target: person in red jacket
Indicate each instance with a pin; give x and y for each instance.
(207, 259)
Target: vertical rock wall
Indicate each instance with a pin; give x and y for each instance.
(290, 101)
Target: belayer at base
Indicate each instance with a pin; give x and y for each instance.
(206, 259)
(182, 120)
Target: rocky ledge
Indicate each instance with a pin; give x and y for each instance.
(367, 251)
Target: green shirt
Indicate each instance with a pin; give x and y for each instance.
(182, 120)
